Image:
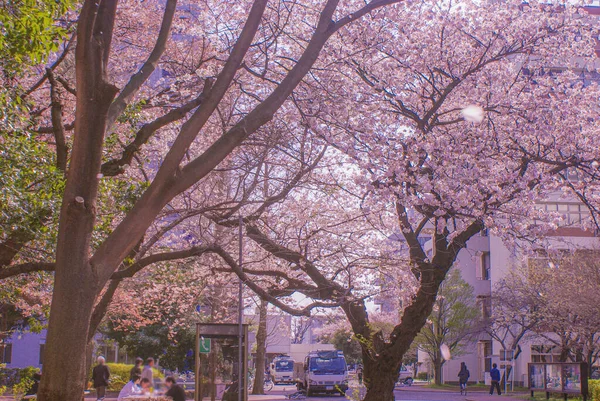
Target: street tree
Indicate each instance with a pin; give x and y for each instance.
(456, 319)
(393, 109)
(442, 174)
(246, 38)
(514, 313)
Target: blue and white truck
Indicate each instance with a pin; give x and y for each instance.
(325, 372)
(282, 369)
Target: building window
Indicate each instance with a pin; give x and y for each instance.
(573, 214)
(545, 353)
(485, 303)
(6, 353)
(485, 353)
(484, 266)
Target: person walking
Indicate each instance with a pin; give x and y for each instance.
(495, 375)
(176, 392)
(137, 369)
(100, 376)
(147, 372)
(463, 377)
(359, 374)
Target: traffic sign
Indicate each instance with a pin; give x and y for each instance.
(204, 345)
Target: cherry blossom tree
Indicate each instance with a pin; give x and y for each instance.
(455, 319)
(442, 174)
(386, 92)
(565, 307)
(264, 50)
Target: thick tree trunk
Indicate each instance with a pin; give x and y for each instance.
(66, 341)
(76, 281)
(261, 349)
(437, 372)
(380, 386)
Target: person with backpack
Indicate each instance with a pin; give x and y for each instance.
(463, 377)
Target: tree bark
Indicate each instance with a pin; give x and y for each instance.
(261, 349)
(437, 372)
(79, 278)
(76, 282)
(380, 387)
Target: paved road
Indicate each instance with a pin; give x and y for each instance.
(415, 393)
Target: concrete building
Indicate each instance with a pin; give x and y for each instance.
(486, 261)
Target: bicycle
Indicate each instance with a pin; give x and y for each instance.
(267, 384)
(298, 395)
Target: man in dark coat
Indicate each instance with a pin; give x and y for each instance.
(100, 376)
(176, 392)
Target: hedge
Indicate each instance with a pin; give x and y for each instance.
(119, 375)
(594, 390)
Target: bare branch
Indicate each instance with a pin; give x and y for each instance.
(160, 257)
(59, 60)
(115, 167)
(23, 268)
(58, 128)
(138, 79)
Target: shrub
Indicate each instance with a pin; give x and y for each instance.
(21, 388)
(422, 376)
(594, 390)
(119, 375)
(19, 380)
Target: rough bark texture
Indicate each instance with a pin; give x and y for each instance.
(437, 372)
(76, 283)
(261, 349)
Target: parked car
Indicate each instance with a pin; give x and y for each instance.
(405, 376)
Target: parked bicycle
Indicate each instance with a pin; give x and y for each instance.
(267, 384)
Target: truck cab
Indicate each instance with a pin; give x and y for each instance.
(282, 369)
(325, 372)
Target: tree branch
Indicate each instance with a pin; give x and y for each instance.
(138, 79)
(59, 60)
(264, 294)
(58, 128)
(115, 167)
(23, 268)
(160, 257)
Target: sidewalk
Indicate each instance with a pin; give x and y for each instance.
(487, 397)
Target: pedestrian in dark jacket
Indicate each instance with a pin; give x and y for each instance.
(463, 377)
(176, 392)
(100, 376)
(495, 375)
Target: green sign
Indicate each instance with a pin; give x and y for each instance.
(204, 345)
